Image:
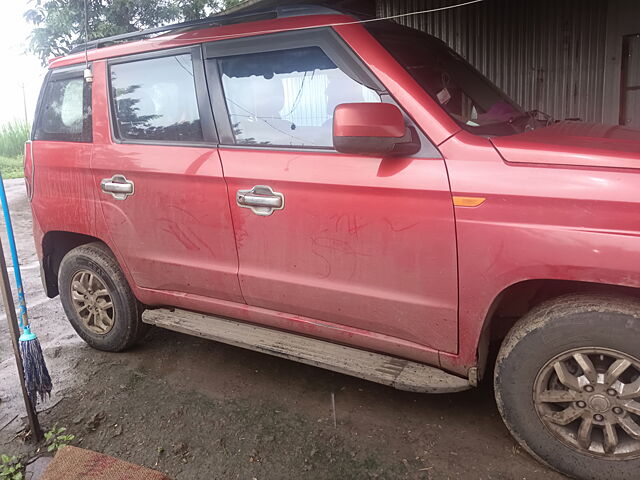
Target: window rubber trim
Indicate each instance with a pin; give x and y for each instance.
(323, 37)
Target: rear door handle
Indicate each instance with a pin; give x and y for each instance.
(118, 186)
(261, 199)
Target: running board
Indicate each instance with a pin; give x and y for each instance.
(395, 372)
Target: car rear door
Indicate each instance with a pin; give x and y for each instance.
(360, 241)
(158, 173)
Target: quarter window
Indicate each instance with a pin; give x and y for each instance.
(66, 111)
(287, 97)
(155, 100)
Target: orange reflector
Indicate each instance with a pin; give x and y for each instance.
(468, 201)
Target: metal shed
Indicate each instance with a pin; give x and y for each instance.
(569, 58)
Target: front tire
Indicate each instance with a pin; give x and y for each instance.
(97, 299)
(567, 384)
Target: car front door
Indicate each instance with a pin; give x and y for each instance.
(359, 241)
(159, 177)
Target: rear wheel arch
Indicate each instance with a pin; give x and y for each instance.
(55, 245)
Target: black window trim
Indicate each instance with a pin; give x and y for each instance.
(207, 122)
(332, 45)
(59, 74)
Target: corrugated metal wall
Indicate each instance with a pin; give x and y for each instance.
(545, 54)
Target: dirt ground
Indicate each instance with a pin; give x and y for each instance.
(197, 409)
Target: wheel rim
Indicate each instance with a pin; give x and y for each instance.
(92, 302)
(589, 398)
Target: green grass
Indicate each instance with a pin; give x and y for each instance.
(12, 138)
(11, 167)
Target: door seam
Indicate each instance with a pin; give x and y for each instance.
(233, 226)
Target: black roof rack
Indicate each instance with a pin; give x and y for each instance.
(213, 21)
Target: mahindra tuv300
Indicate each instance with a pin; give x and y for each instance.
(352, 196)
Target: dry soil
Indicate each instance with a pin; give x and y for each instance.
(197, 409)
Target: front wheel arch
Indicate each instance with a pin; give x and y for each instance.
(518, 299)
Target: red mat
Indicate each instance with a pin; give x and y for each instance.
(72, 463)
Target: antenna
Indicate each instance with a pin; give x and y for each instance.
(88, 74)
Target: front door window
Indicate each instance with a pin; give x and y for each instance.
(287, 98)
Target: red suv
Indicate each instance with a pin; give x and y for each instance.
(354, 196)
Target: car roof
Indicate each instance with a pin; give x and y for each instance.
(213, 28)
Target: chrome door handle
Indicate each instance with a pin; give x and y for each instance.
(118, 186)
(248, 200)
(261, 199)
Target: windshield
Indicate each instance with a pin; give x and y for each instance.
(467, 95)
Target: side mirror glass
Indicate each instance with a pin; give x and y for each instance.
(372, 129)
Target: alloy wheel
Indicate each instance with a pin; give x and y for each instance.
(92, 302)
(589, 398)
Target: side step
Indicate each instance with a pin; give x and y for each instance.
(395, 372)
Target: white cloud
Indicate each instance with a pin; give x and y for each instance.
(17, 68)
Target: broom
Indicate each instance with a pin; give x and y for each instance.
(36, 375)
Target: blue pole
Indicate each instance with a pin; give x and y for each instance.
(36, 375)
(14, 257)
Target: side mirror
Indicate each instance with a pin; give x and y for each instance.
(372, 129)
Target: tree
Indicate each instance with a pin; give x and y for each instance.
(59, 24)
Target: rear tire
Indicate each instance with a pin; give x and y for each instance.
(557, 365)
(97, 299)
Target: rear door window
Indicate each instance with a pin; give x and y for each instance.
(65, 114)
(287, 97)
(155, 100)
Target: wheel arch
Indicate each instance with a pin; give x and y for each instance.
(517, 299)
(55, 245)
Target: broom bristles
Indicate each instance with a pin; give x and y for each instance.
(36, 375)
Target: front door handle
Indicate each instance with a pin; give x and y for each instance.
(261, 199)
(118, 186)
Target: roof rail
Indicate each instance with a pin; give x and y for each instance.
(212, 21)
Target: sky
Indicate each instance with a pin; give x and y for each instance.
(18, 67)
